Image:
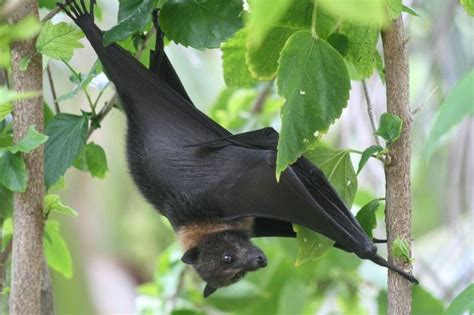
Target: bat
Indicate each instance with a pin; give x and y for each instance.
(217, 189)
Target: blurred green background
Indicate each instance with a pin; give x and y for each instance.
(125, 257)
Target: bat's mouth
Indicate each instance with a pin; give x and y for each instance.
(239, 275)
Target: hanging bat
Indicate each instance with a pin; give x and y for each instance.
(216, 188)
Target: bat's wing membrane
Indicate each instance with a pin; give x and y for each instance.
(256, 193)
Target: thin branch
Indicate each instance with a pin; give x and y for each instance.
(420, 107)
(370, 112)
(51, 14)
(6, 253)
(262, 97)
(53, 90)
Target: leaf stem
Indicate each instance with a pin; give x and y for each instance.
(313, 21)
(375, 156)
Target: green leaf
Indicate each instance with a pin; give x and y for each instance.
(5, 110)
(455, 107)
(359, 11)
(394, 8)
(340, 42)
(401, 250)
(6, 203)
(366, 216)
(13, 170)
(361, 48)
(325, 23)
(201, 23)
(367, 154)
(263, 60)
(468, 6)
(29, 142)
(236, 71)
(7, 96)
(48, 4)
(390, 127)
(463, 303)
(238, 104)
(24, 63)
(58, 41)
(337, 166)
(67, 134)
(56, 250)
(96, 160)
(409, 10)
(24, 29)
(311, 245)
(95, 70)
(133, 16)
(313, 78)
(379, 66)
(265, 14)
(53, 203)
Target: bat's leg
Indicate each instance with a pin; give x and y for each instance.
(161, 65)
(156, 56)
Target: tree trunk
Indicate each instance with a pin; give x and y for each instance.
(397, 172)
(27, 255)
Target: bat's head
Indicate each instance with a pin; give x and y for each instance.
(224, 258)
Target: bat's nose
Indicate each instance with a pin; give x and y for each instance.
(261, 261)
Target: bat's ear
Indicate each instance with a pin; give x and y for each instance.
(190, 257)
(208, 290)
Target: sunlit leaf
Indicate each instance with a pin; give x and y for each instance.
(468, 6)
(29, 142)
(236, 71)
(58, 41)
(96, 160)
(265, 14)
(401, 250)
(53, 203)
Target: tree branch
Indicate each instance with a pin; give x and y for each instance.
(53, 90)
(370, 112)
(397, 174)
(27, 254)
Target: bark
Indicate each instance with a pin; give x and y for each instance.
(397, 172)
(27, 255)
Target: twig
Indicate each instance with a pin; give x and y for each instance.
(261, 98)
(179, 287)
(370, 112)
(6, 253)
(419, 107)
(51, 14)
(53, 90)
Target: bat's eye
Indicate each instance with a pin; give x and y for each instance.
(227, 259)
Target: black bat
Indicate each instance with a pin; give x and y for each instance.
(217, 189)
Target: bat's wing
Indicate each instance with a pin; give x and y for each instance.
(303, 196)
(296, 199)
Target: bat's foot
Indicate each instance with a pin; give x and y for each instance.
(78, 11)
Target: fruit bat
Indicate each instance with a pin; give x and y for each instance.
(216, 188)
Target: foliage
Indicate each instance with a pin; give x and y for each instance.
(456, 106)
(401, 250)
(463, 303)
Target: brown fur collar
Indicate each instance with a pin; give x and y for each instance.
(191, 235)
